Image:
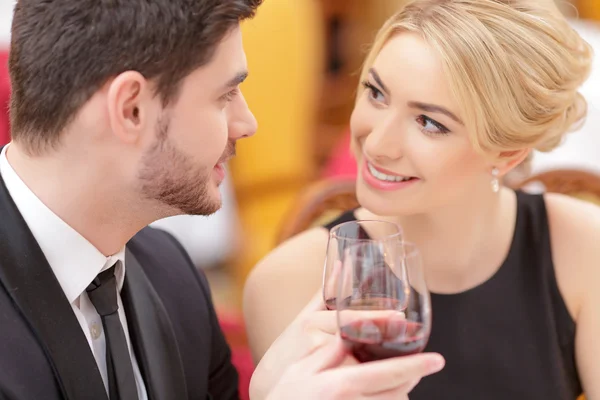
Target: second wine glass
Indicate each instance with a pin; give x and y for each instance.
(342, 237)
(383, 305)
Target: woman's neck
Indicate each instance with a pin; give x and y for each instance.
(463, 244)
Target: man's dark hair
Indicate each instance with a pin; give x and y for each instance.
(63, 51)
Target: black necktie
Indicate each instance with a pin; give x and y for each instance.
(103, 295)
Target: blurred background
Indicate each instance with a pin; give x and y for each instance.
(304, 58)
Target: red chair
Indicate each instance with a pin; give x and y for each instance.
(4, 98)
(234, 330)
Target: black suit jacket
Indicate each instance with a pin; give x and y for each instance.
(44, 354)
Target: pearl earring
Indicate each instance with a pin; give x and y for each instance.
(495, 180)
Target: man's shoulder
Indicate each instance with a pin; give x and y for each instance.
(154, 242)
(165, 261)
(152, 236)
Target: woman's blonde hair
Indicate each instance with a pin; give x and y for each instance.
(514, 66)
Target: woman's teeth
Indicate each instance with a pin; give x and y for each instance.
(385, 177)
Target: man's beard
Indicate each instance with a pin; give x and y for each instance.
(171, 177)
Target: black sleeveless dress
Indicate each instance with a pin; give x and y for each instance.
(511, 337)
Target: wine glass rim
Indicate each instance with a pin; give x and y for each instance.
(392, 236)
(409, 249)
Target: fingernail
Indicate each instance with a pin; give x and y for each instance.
(436, 364)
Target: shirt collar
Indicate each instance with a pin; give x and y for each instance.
(73, 259)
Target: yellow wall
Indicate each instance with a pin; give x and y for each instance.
(589, 9)
(284, 46)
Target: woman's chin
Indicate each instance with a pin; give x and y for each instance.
(383, 203)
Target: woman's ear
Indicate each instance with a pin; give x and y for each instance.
(509, 160)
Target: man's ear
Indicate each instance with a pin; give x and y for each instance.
(128, 103)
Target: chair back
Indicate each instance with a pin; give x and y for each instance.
(576, 183)
(320, 203)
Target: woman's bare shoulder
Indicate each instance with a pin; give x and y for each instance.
(311, 243)
(574, 225)
(575, 233)
(280, 285)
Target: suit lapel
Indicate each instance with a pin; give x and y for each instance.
(29, 280)
(152, 335)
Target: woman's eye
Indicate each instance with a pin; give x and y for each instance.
(374, 93)
(431, 126)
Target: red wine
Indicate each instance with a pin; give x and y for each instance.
(378, 339)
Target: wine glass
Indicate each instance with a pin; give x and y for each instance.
(383, 305)
(345, 235)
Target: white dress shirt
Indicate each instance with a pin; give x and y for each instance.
(75, 263)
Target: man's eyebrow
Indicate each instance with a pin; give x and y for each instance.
(236, 80)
